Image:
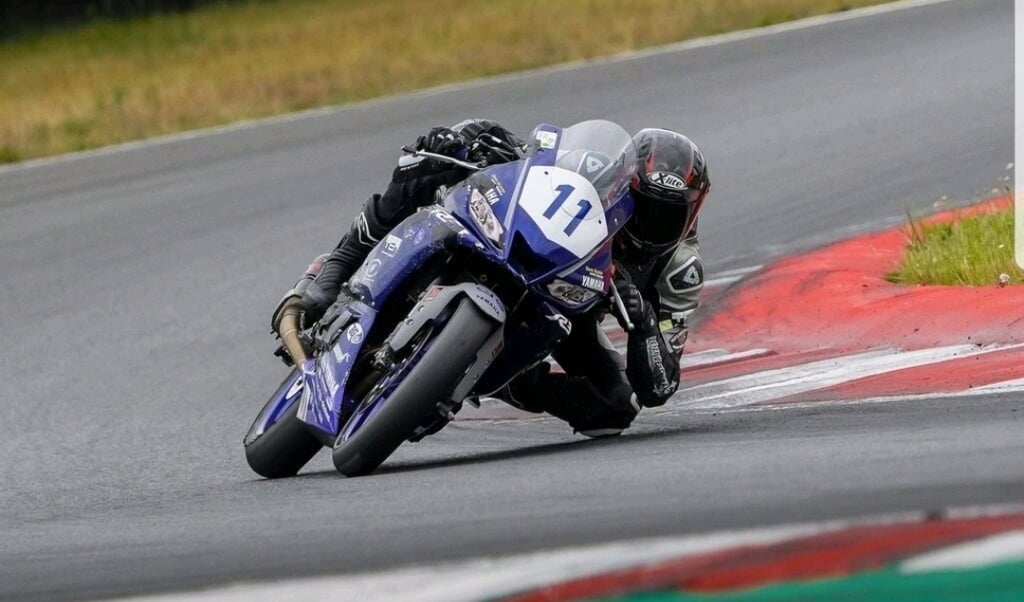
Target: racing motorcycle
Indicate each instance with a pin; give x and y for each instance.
(454, 303)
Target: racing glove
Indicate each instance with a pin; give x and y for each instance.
(440, 141)
(416, 180)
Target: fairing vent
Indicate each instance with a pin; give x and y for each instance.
(526, 259)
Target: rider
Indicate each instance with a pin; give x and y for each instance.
(658, 274)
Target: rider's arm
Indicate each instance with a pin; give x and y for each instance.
(680, 282)
(652, 366)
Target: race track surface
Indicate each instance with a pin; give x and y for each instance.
(138, 286)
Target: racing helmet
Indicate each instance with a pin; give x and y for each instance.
(669, 188)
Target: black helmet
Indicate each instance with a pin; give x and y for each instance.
(669, 189)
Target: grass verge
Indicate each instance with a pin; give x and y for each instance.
(109, 82)
(975, 248)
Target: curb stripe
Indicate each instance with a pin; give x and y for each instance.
(1006, 547)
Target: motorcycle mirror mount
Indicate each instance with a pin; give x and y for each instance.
(443, 158)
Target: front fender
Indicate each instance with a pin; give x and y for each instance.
(434, 303)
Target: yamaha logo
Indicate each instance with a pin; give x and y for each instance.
(668, 180)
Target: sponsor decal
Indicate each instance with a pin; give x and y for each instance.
(492, 196)
(690, 275)
(328, 375)
(412, 230)
(447, 218)
(593, 164)
(498, 185)
(391, 245)
(547, 139)
(490, 300)
(570, 293)
(668, 180)
(563, 322)
(432, 294)
(595, 284)
(497, 349)
(662, 386)
(340, 357)
(372, 269)
(295, 389)
(354, 334)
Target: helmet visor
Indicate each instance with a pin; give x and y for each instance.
(660, 222)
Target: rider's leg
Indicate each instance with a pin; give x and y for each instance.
(365, 232)
(593, 395)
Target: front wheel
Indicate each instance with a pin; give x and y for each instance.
(286, 445)
(430, 380)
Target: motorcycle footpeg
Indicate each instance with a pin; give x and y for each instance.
(282, 354)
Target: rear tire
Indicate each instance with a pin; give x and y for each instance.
(284, 448)
(429, 382)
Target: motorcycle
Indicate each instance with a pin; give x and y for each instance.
(455, 302)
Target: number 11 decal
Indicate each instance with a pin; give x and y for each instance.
(564, 191)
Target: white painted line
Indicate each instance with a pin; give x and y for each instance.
(727, 278)
(1005, 547)
(488, 578)
(1016, 384)
(813, 405)
(717, 356)
(759, 387)
(727, 38)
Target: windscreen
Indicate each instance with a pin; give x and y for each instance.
(603, 153)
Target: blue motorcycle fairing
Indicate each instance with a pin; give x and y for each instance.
(326, 376)
(527, 342)
(406, 249)
(524, 246)
(409, 246)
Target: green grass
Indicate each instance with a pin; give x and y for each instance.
(972, 250)
(110, 82)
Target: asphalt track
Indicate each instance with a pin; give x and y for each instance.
(137, 287)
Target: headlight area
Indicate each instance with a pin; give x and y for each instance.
(485, 219)
(570, 293)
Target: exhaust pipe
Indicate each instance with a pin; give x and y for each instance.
(290, 335)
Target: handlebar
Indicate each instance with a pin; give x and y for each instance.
(443, 158)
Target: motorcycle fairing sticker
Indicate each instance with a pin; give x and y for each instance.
(565, 208)
(326, 377)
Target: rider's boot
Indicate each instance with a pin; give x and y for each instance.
(589, 410)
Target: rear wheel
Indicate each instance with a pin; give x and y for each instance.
(426, 379)
(285, 446)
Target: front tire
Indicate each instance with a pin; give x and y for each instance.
(284, 448)
(410, 405)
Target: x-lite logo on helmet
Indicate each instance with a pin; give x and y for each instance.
(668, 180)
